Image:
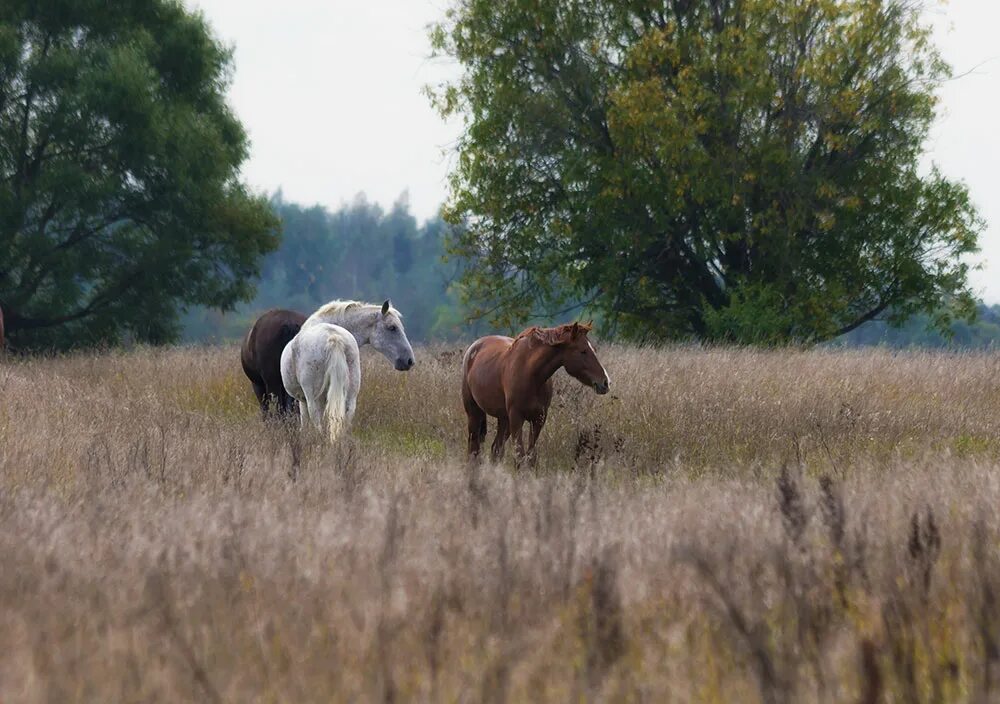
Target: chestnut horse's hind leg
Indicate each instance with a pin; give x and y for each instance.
(477, 420)
(477, 425)
(503, 432)
(477, 430)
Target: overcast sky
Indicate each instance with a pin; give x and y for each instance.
(331, 94)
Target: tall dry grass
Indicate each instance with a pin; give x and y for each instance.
(728, 525)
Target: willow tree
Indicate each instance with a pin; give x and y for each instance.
(120, 198)
(732, 169)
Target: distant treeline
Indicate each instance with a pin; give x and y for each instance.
(360, 251)
(983, 332)
(363, 251)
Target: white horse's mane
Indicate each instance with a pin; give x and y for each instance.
(337, 309)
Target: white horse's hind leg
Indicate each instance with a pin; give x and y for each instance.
(316, 408)
(290, 380)
(311, 411)
(304, 418)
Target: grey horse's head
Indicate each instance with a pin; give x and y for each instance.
(389, 338)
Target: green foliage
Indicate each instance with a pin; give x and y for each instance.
(755, 314)
(358, 252)
(741, 170)
(120, 203)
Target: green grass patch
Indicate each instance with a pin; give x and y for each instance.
(415, 442)
(226, 397)
(965, 445)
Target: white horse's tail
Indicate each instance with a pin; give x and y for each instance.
(343, 383)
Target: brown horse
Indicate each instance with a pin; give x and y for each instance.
(511, 380)
(261, 358)
(2, 341)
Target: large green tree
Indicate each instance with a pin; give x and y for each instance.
(732, 169)
(120, 202)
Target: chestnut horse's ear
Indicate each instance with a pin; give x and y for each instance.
(385, 307)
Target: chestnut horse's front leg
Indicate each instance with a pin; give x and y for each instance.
(536, 429)
(516, 424)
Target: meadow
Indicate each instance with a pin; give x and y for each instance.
(726, 525)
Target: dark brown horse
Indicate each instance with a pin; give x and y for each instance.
(261, 358)
(511, 380)
(2, 341)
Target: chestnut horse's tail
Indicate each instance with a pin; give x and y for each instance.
(477, 431)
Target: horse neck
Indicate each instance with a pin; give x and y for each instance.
(541, 360)
(358, 323)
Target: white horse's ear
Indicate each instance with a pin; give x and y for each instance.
(385, 307)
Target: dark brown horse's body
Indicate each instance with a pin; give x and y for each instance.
(2, 340)
(261, 357)
(511, 380)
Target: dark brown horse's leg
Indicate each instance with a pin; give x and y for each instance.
(261, 394)
(285, 404)
(503, 432)
(271, 405)
(276, 393)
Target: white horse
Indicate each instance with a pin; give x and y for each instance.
(322, 370)
(321, 367)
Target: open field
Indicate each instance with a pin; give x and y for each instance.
(726, 525)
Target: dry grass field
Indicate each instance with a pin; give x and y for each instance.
(726, 526)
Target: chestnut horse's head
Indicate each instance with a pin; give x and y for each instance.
(578, 355)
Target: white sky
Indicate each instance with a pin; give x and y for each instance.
(331, 94)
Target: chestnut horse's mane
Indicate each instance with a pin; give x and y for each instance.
(553, 336)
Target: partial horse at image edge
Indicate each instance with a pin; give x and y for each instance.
(511, 380)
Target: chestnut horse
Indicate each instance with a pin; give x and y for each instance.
(511, 380)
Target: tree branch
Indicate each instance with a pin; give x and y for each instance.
(867, 317)
(16, 321)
